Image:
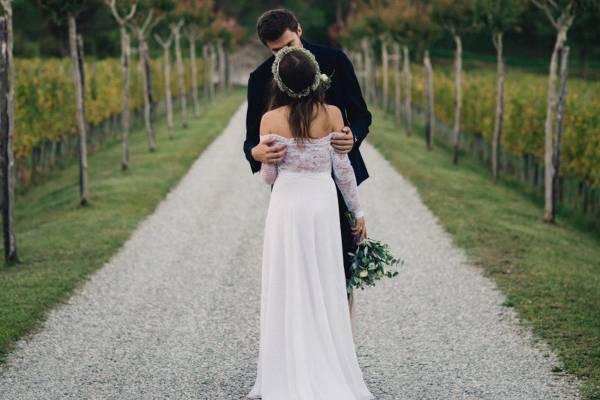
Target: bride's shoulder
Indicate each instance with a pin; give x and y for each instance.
(332, 108)
(335, 114)
(274, 114)
(272, 121)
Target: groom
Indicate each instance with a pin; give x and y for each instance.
(279, 28)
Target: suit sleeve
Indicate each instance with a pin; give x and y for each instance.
(253, 116)
(359, 117)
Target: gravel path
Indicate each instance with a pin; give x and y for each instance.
(175, 313)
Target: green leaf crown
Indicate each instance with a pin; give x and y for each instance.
(319, 77)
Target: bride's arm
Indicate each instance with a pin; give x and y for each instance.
(346, 181)
(268, 171)
(342, 168)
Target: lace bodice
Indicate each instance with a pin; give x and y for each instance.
(315, 155)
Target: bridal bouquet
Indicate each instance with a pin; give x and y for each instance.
(370, 261)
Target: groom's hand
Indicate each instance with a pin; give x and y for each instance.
(267, 152)
(343, 141)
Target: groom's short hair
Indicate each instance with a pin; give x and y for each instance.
(271, 25)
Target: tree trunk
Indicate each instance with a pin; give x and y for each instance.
(457, 97)
(368, 71)
(206, 76)
(360, 66)
(429, 94)
(213, 64)
(497, 39)
(180, 77)
(339, 17)
(58, 154)
(585, 202)
(168, 95)
(221, 64)
(385, 73)
(373, 76)
(365, 57)
(562, 98)
(43, 158)
(560, 190)
(81, 58)
(585, 60)
(125, 77)
(228, 70)
(397, 84)
(147, 84)
(561, 37)
(83, 166)
(526, 167)
(34, 164)
(51, 160)
(7, 126)
(407, 91)
(192, 40)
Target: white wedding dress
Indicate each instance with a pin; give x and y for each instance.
(306, 347)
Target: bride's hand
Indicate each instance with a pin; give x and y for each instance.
(360, 229)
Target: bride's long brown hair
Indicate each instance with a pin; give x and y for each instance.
(298, 72)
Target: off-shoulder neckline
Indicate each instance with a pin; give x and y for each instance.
(293, 139)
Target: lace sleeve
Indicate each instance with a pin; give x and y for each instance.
(346, 181)
(268, 171)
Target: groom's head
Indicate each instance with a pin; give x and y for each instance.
(279, 28)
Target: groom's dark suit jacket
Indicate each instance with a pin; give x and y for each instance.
(344, 92)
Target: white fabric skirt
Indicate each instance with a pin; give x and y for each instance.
(306, 347)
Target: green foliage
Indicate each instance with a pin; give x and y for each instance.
(410, 23)
(163, 6)
(368, 20)
(550, 273)
(160, 9)
(370, 262)
(456, 16)
(498, 15)
(61, 244)
(198, 15)
(524, 114)
(59, 10)
(45, 104)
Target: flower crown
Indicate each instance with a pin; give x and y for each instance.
(319, 77)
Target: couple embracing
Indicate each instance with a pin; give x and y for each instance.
(305, 122)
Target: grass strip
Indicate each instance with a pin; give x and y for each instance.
(60, 243)
(549, 273)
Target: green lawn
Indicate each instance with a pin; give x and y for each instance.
(550, 273)
(60, 244)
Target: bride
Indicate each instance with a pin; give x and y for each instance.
(306, 349)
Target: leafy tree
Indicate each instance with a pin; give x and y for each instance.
(560, 14)
(426, 32)
(497, 17)
(586, 34)
(363, 25)
(198, 16)
(456, 16)
(7, 129)
(175, 25)
(402, 19)
(166, 45)
(122, 19)
(149, 14)
(62, 10)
